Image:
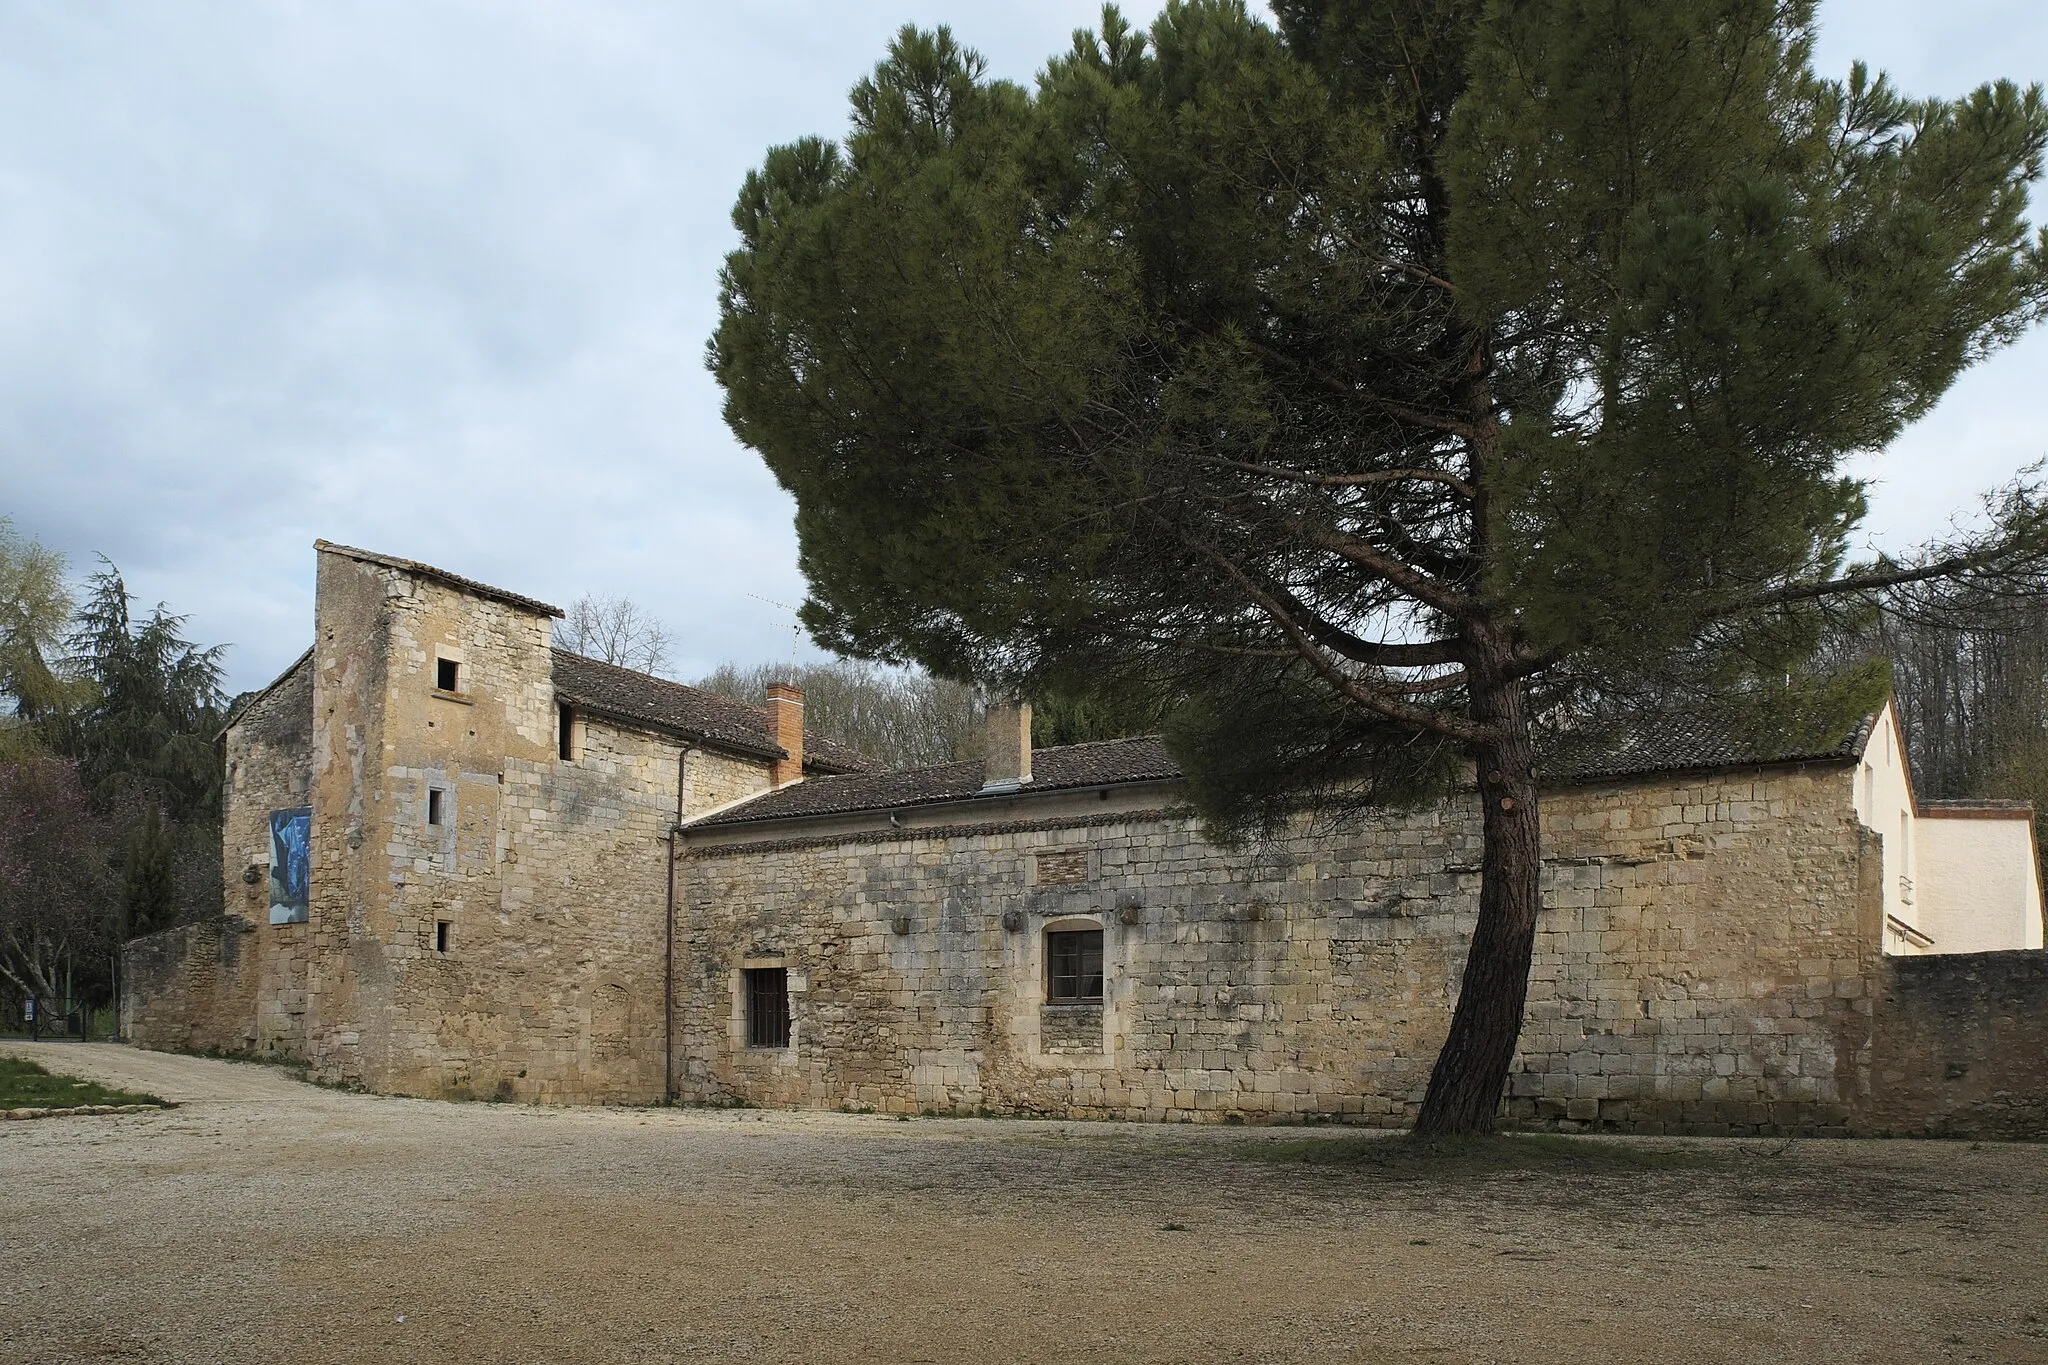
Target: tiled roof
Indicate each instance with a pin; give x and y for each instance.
(830, 756)
(429, 571)
(641, 698)
(1677, 743)
(1062, 769)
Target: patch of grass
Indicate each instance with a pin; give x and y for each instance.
(1406, 1156)
(24, 1085)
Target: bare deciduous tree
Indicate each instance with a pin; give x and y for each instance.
(55, 887)
(1969, 669)
(616, 630)
(898, 718)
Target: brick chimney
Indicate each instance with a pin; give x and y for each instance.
(1008, 764)
(786, 723)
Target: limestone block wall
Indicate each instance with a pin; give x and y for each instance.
(269, 767)
(1961, 1046)
(1705, 956)
(1703, 963)
(487, 917)
(391, 750)
(194, 986)
(565, 1002)
(346, 911)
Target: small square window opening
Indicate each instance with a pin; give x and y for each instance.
(565, 732)
(441, 928)
(448, 675)
(435, 803)
(1073, 966)
(767, 992)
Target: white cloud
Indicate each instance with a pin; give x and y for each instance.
(436, 278)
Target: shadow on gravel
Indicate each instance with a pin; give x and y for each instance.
(1404, 1156)
(1675, 1177)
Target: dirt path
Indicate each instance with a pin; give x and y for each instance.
(270, 1220)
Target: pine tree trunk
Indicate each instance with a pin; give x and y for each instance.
(1465, 1088)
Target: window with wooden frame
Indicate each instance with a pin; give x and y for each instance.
(767, 996)
(448, 675)
(1073, 966)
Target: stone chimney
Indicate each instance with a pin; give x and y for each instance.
(786, 723)
(1008, 765)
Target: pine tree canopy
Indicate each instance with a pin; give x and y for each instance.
(1281, 369)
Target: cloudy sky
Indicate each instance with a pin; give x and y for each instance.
(435, 277)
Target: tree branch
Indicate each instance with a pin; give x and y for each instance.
(1415, 583)
(1377, 653)
(1450, 481)
(1863, 582)
(1371, 699)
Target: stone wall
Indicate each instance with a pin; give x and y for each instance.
(514, 948)
(485, 916)
(1702, 963)
(489, 918)
(269, 754)
(410, 832)
(193, 987)
(1961, 1048)
(1705, 956)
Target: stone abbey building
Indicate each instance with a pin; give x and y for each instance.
(462, 862)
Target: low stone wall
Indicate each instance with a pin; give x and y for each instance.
(1961, 1047)
(1703, 964)
(195, 986)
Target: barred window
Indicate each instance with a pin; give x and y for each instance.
(767, 992)
(1073, 966)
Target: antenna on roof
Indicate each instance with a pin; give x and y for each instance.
(796, 628)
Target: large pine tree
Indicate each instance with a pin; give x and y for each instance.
(1372, 384)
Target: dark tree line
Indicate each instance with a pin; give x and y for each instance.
(110, 777)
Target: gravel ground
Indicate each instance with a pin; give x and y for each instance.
(266, 1219)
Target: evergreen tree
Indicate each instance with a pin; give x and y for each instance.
(1375, 385)
(148, 730)
(146, 743)
(149, 891)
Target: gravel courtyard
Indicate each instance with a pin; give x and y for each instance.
(266, 1219)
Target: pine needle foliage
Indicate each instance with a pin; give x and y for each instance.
(1374, 387)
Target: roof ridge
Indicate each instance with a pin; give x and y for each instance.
(1036, 753)
(532, 604)
(677, 707)
(1065, 767)
(243, 705)
(692, 689)
(650, 677)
